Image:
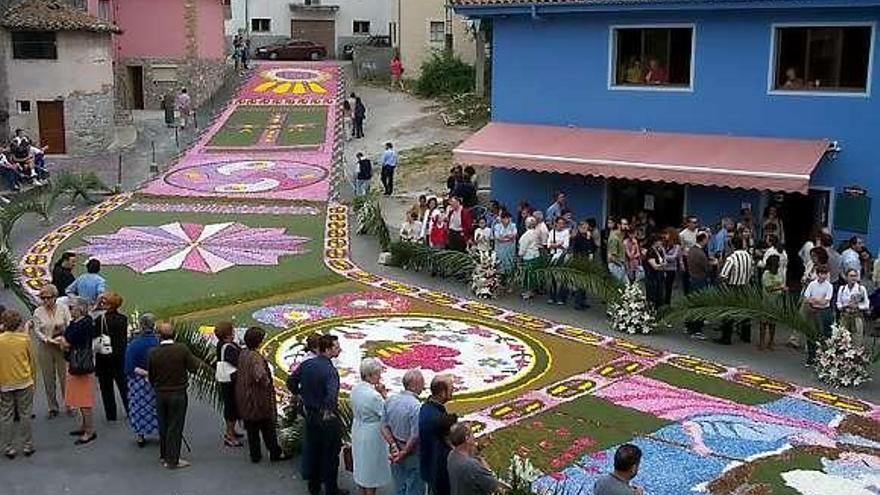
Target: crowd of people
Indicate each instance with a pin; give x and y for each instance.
(746, 251)
(23, 161)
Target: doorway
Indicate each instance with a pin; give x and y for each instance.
(799, 213)
(50, 116)
(663, 202)
(136, 77)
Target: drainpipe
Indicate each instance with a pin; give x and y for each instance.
(448, 42)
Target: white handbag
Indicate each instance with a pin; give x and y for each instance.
(102, 343)
(223, 372)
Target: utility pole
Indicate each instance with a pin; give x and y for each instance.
(480, 60)
(448, 41)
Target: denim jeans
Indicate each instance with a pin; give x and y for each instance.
(407, 479)
(361, 187)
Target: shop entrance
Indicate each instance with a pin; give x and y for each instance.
(664, 202)
(799, 212)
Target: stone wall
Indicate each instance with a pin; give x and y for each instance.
(89, 125)
(201, 78)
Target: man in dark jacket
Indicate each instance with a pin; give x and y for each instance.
(434, 424)
(62, 272)
(360, 113)
(364, 175)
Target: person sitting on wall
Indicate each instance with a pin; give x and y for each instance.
(9, 172)
(656, 73)
(39, 154)
(792, 81)
(20, 149)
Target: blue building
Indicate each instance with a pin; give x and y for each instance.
(681, 107)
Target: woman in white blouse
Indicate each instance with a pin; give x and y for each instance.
(50, 320)
(852, 302)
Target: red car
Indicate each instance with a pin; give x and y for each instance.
(292, 50)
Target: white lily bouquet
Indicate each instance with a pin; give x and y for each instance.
(840, 362)
(630, 313)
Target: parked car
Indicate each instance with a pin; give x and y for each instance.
(292, 50)
(348, 50)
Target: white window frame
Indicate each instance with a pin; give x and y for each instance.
(831, 197)
(261, 19)
(433, 21)
(771, 71)
(360, 33)
(612, 58)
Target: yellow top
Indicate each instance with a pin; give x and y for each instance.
(17, 366)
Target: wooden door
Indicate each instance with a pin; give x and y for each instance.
(318, 31)
(51, 118)
(136, 77)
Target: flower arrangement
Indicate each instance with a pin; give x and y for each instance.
(485, 279)
(841, 363)
(520, 475)
(630, 313)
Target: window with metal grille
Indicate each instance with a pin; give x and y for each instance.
(361, 27)
(34, 45)
(261, 25)
(436, 31)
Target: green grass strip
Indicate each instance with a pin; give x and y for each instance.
(710, 385)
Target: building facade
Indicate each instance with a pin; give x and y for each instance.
(166, 45)
(701, 108)
(424, 26)
(333, 23)
(58, 76)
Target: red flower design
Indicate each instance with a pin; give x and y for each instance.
(427, 356)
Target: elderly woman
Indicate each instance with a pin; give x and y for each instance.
(80, 386)
(141, 396)
(370, 447)
(109, 367)
(17, 378)
(255, 398)
(227, 353)
(50, 320)
(530, 253)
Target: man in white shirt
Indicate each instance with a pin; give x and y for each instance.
(817, 304)
(851, 258)
(541, 227)
(688, 239)
(557, 243)
(852, 302)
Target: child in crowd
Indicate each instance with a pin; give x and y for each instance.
(773, 284)
(409, 230)
(483, 236)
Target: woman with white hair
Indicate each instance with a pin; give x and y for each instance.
(530, 253)
(50, 320)
(141, 397)
(370, 447)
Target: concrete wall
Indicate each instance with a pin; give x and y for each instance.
(415, 45)
(730, 86)
(82, 76)
(201, 77)
(170, 28)
(378, 12)
(372, 61)
(277, 11)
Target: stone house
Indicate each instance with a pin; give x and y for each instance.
(56, 80)
(166, 45)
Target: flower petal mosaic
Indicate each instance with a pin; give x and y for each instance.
(207, 248)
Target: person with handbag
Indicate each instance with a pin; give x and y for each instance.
(112, 328)
(141, 396)
(255, 398)
(227, 364)
(79, 390)
(168, 365)
(49, 321)
(372, 447)
(17, 378)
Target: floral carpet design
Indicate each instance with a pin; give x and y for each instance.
(187, 246)
(366, 303)
(246, 177)
(287, 315)
(481, 358)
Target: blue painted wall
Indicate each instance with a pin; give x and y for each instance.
(585, 194)
(554, 71)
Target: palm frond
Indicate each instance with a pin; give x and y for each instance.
(577, 273)
(371, 222)
(12, 213)
(292, 426)
(203, 382)
(740, 303)
(9, 275)
(77, 185)
(449, 264)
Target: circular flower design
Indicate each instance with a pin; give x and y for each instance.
(287, 315)
(364, 303)
(243, 177)
(479, 362)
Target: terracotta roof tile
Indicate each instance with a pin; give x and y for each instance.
(52, 15)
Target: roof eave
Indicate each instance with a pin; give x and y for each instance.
(539, 7)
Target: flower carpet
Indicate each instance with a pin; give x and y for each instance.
(244, 227)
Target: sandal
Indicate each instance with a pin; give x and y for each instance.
(141, 441)
(231, 442)
(10, 454)
(89, 439)
(28, 451)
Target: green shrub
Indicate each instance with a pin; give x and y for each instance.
(444, 75)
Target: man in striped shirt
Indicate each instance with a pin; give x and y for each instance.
(736, 273)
